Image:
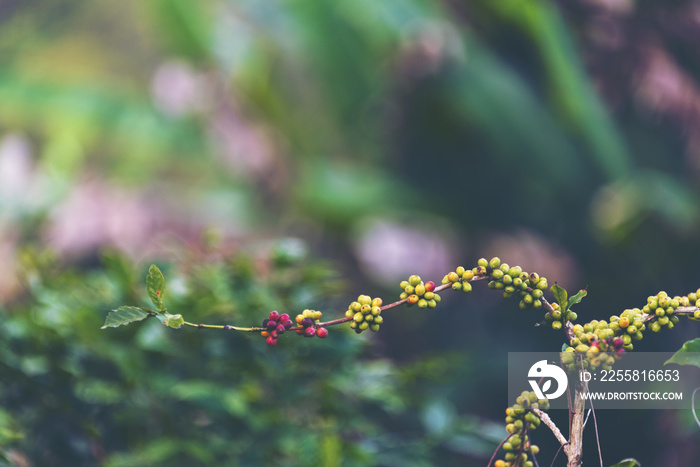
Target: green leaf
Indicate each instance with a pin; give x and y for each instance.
(174, 321)
(561, 296)
(124, 315)
(576, 299)
(155, 283)
(689, 354)
(627, 463)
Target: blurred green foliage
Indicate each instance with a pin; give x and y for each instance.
(309, 119)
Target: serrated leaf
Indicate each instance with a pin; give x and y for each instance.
(689, 354)
(627, 463)
(155, 284)
(561, 296)
(124, 315)
(576, 298)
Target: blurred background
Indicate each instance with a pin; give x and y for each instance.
(294, 154)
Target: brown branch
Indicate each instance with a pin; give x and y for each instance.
(551, 425)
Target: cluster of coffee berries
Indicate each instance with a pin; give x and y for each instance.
(556, 318)
(308, 320)
(694, 300)
(365, 313)
(664, 307)
(520, 421)
(460, 279)
(417, 292)
(276, 325)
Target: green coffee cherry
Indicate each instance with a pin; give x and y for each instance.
(414, 280)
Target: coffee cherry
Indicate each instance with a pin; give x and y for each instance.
(306, 322)
(271, 341)
(429, 286)
(413, 299)
(452, 277)
(322, 333)
(483, 262)
(495, 262)
(274, 315)
(280, 329)
(288, 324)
(414, 280)
(310, 332)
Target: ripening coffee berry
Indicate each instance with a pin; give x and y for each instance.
(420, 290)
(452, 277)
(413, 299)
(495, 262)
(422, 303)
(322, 333)
(274, 315)
(414, 280)
(280, 329)
(457, 286)
(310, 332)
(271, 341)
(430, 286)
(288, 324)
(306, 322)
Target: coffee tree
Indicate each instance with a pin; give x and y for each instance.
(598, 343)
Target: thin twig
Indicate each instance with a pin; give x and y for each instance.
(595, 426)
(498, 448)
(555, 455)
